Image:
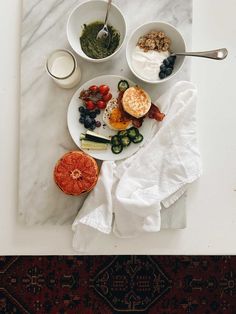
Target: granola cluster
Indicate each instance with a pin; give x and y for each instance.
(154, 40)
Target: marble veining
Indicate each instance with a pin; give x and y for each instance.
(44, 136)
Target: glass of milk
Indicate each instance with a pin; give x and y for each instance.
(62, 67)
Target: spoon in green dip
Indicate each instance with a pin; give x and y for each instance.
(104, 33)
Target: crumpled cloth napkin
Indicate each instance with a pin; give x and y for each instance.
(129, 195)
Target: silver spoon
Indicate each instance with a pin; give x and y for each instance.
(218, 54)
(104, 32)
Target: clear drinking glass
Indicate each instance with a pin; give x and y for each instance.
(62, 66)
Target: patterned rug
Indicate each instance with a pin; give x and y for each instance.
(118, 284)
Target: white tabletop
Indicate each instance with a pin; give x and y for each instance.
(211, 201)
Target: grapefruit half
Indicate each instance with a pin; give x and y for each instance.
(76, 173)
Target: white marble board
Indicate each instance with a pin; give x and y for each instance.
(44, 136)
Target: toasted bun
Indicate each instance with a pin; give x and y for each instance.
(136, 102)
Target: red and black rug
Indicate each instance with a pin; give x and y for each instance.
(118, 284)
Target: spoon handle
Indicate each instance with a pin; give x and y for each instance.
(108, 9)
(218, 54)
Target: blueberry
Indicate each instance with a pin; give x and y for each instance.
(163, 67)
(168, 71)
(88, 120)
(87, 125)
(86, 112)
(171, 59)
(98, 124)
(81, 109)
(98, 111)
(92, 114)
(81, 120)
(166, 62)
(162, 75)
(93, 127)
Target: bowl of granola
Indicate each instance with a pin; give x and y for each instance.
(150, 49)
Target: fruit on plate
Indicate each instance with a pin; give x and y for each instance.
(96, 96)
(76, 173)
(87, 117)
(104, 89)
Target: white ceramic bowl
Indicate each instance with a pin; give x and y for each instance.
(92, 11)
(177, 45)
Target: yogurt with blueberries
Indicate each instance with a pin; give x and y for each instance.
(151, 58)
(148, 64)
(152, 65)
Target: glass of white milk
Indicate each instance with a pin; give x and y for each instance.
(62, 66)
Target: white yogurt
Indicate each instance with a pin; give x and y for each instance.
(147, 64)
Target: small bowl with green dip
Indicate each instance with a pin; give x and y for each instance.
(84, 23)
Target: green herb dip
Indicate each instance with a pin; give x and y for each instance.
(98, 48)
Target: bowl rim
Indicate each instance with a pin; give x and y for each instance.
(130, 66)
(85, 56)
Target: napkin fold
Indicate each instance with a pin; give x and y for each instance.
(129, 195)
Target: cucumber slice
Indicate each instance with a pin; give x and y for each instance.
(82, 136)
(93, 145)
(97, 135)
(92, 136)
(116, 149)
(137, 139)
(125, 141)
(133, 132)
(115, 140)
(123, 85)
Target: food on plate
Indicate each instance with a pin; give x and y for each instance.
(76, 173)
(136, 102)
(104, 89)
(95, 94)
(137, 139)
(155, 113)
(87, 118)
(93, 145)
(98, 48)
(124, 138)
(92, 140)
(94, 99)
(116, 149)
(124, 114)
(94, 137)
(151, 58)
(123, 85)
(101, 104)
(114, 118)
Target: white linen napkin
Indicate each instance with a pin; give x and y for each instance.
(129, 195)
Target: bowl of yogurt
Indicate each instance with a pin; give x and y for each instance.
(149, 52)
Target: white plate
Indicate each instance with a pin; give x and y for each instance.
(76, 128)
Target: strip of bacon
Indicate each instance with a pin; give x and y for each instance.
(155, 113)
